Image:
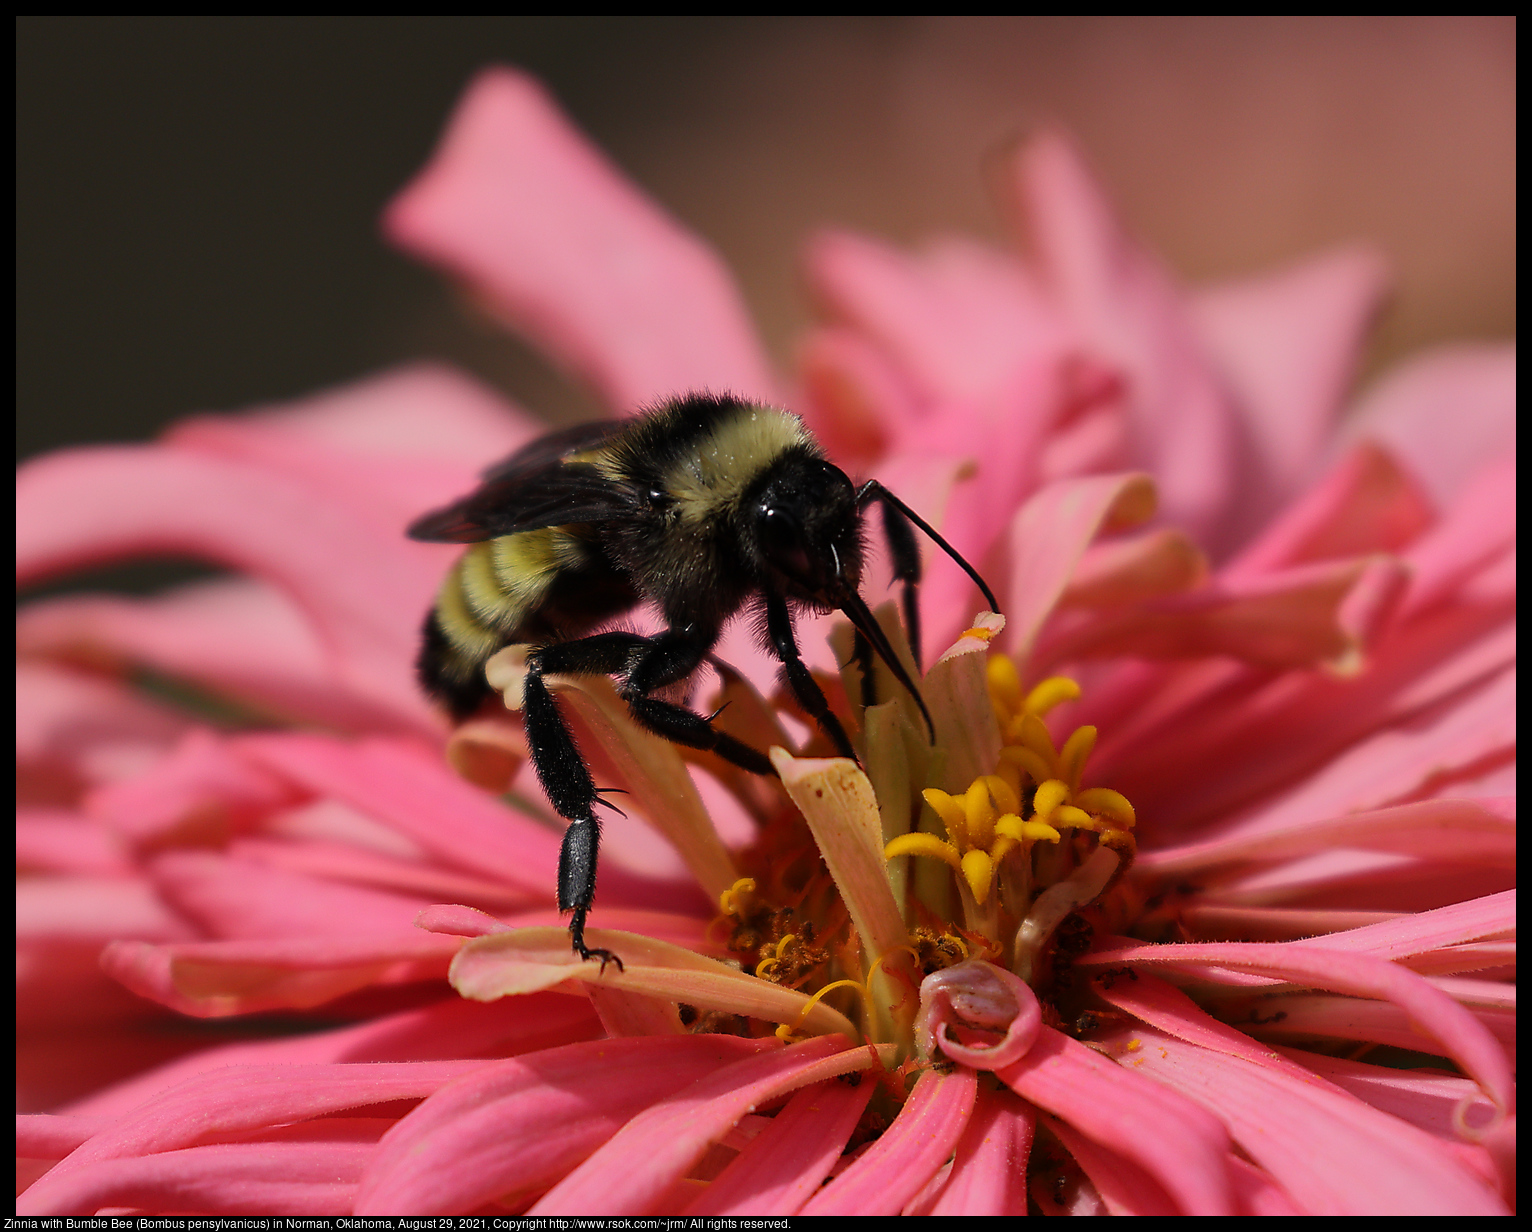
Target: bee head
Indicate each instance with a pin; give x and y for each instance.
(806, 530)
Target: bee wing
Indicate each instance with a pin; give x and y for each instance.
(537, 486)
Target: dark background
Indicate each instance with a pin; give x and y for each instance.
(197, 197)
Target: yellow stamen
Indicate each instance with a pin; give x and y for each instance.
(978, 815)
(1004, 684)
(1029, 731)
(1047, 694)
(923, 845)
(1013, 827)
(982, 634)
(1104, 802)
(1068, 817)
(728, 901)
(1049, 796)
(1024, 759)
(786, 1030)
(1007, 798)
(1074, 753)
(979, 872)
(950, 810)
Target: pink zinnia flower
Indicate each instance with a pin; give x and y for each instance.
(1202, 901)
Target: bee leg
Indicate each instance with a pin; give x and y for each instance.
(861, 651)
(779, 627)
(567, 782)
(669, 657)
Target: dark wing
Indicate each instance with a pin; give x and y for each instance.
(533, 488)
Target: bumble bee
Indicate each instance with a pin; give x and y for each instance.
(702, 507)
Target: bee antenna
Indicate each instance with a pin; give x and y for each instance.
(872, 488)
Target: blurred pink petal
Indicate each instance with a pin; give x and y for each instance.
(61, 841)
(1122, 302)
(1446, 414)
(541, 227)
(512, 1128)
(885, 1177)
(359, 583)
(782, 1167)
(1287, 346)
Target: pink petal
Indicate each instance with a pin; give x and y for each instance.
(1427, 1099)
(518, 1126)
(541, 226)
(216, 979)
(989, 1166)
(1475, 530)
(1125, 1188)
(1037, 554)
(1288, 344)
(960, 319)
(1178, 1144)
(394, 445)
(1332, 1153)
(1136, 568)
(854, 398)
(234, 899)
(361, 584)
(886, 1176)
(1131, 315)
(296, 1178)
(231, 1102)
(1365, 503)
(784, 1165)
(236, 637)
(199, 791)
(1446, 413)
(74, 728)
(449, 1030)
(1440, 1019)
(59, 841)
(644, 1160)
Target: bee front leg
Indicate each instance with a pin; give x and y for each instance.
(779, 627)
(566, 780)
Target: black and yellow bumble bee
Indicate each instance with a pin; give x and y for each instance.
(700, 508)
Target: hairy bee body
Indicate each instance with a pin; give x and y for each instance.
(671, 490)
(700, 508)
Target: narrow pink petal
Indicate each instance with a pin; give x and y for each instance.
(360, 584)
(989, 1166)
(1410, 935)
(60, 841)
(1365, 503)
(1125, 1187)
(216, 979)
(239, 1099)
(52, 1136)
(237, 637)
(1433, 1012)
(235, 899)
(1177, 1143)
(854, 397)
(199, 792)
(1316, 614)
(1037, 554)
(1288, 344)
(450, 1030)
(1332, 1153)
(296, 1178)
(94, 909)
(644, 1160)
(1447, 413)
(395, 444)
(1134, 568)
(785, 1164)
(518, 1126)
(538, 223)
(1425, 1098)
(75, 728)
(885, 1177)
(1130, 314)
(1483, 831)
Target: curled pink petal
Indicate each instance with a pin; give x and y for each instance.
(521, 207)
(978, 1014)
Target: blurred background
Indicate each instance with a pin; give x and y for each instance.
(198, 198)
